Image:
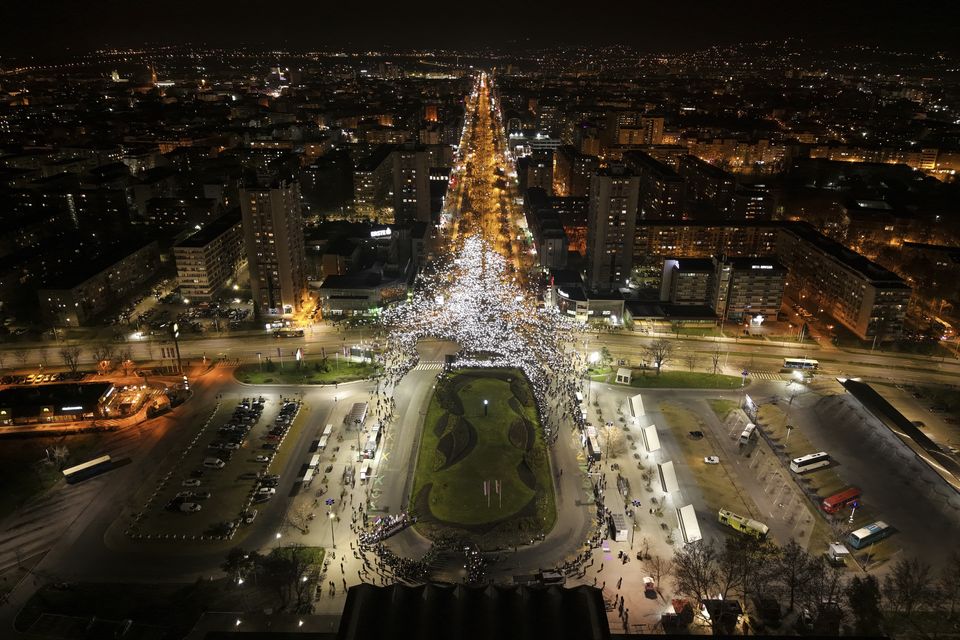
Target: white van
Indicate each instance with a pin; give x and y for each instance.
(214, 463)
(364, 472)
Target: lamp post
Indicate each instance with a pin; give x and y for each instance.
(485, 405)
(332, 516)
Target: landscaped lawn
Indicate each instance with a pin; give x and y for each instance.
(684, 380)
(309, 372)
(462, 446)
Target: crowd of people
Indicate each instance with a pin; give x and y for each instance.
(386, 526)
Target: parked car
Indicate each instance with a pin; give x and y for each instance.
(190, 507)
(192, 482)
(249, 516)
(262, 459)
(711, 460)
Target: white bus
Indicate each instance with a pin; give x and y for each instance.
(327, 430)
(800, 363)
(810, 462)
(748, 432)
(874, 532)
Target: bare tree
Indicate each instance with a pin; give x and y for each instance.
(60, 454)
(3, 355)
(616, 443)
(863, 598)
(715, 359)
(660, 351)
(104, 353)
(691, 359)
(793, 565)
(21, 355)
(710, 577)
(909, 587)
(124, 356)
(822, 592)
(659, 568)
(300, 518)
(71, 357)
(947, 602)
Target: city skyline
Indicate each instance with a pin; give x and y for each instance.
(482, 322)
(49, 28)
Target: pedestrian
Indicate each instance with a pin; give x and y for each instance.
(601, 568)
(619, 581)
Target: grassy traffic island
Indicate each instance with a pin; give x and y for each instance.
(315, 371)
(466, 443)
(685, 380)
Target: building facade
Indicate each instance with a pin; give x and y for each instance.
(207, 259)
(612, 216)
(75, 299)
(274, 246)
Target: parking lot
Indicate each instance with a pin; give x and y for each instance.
(223, 475)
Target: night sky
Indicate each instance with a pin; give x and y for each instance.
(50, 26)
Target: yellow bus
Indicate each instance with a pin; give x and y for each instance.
(743, 525)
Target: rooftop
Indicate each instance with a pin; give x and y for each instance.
(212, 230)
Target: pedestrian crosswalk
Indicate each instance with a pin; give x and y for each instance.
(765, 375)
(428, 366)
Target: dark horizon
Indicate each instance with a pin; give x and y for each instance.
(57, 26)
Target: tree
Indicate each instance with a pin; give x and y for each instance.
(60, 454)
(616, 443)
(71, 357)
(821, 594)
(21, 355)
(691, 358)
(947, 602)
(715, 359)
(793, 565)
(863, 596)
(300, 518)
(606, 358)
(288, 569)
(704, 574)
(240, 564)
(125, 356)
(909, 587)
(104, 354)
(659, 568)
(660, 351)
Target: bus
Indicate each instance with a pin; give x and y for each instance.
(748, 432)
(373, 441)
(288, 333)
(593, 449)
(86, 470)
(869, 534)
(943, 328)
(838, 501)
(810, 462)
(800, 363)
(739, 523)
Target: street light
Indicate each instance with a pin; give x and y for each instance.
(485, 404)
(333, 540)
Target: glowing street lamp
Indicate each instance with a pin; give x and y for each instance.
(486, 403)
